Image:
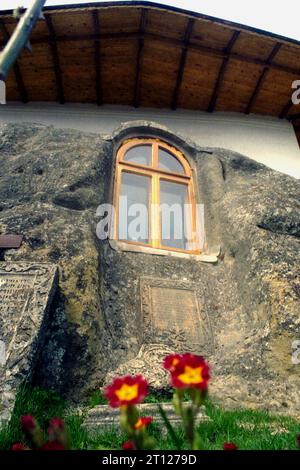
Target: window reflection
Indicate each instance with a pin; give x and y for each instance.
(133, 208)
(140, 154)
(167, 161)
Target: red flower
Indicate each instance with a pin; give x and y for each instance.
(129, 445)
(56, 424)
(126, 391)
(28, 423)
(143, 422)
(190, 372)
(19, 446)
(171, 361)
(229, 446)
(52, 445)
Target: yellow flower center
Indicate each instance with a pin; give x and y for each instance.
(127, 392)
(138, 424)
(191, 375)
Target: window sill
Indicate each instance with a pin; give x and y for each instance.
(118, 245)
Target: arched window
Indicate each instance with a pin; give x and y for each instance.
(154, 196)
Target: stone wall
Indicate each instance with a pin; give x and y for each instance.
(51, 182)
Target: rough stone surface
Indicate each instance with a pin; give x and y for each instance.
(148, 363)
(51, 182)
(26, 292)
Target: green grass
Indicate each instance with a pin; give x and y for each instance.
(42, 404)
(255, 430)
(96, 398)
(250, 430)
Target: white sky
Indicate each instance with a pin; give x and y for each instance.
(280, 17)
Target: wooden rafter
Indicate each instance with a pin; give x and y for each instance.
(262, 77)
(228, 49)
(52, 40)
(294, 117)
(181, 43)
(205, 50)
(286, 109)
(16, 68)
(139, 60)
(97, 55)
(183, 57)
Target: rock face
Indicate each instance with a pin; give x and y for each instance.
(147, 363)
(26, 292)
(51, 182)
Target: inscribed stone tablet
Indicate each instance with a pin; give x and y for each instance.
(26, 290)
(176, 307)
(172, 312)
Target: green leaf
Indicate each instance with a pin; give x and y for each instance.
(169, 427)
(198, 444)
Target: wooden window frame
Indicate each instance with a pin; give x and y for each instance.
(156, 174)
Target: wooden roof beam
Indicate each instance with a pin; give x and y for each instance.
(97, 57)
(294, 117)
(16, 68)
(52, 40)
(139, 60)
(227, 50)
(286, 109)
(262, 77)
(211, 51)
(183, 57)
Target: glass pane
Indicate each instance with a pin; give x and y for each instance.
(141, 154)
(133, 208)
(167, 161)
(174, 214)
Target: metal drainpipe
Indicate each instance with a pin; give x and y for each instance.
(19, 37)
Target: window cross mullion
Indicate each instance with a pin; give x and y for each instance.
(155, 221)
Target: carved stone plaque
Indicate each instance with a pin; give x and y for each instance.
(172, 312)
(26, 290)
(173, 320)
(171, 307)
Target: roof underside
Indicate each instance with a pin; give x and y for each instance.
(145, 54)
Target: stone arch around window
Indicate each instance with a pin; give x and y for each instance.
(154, 197)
